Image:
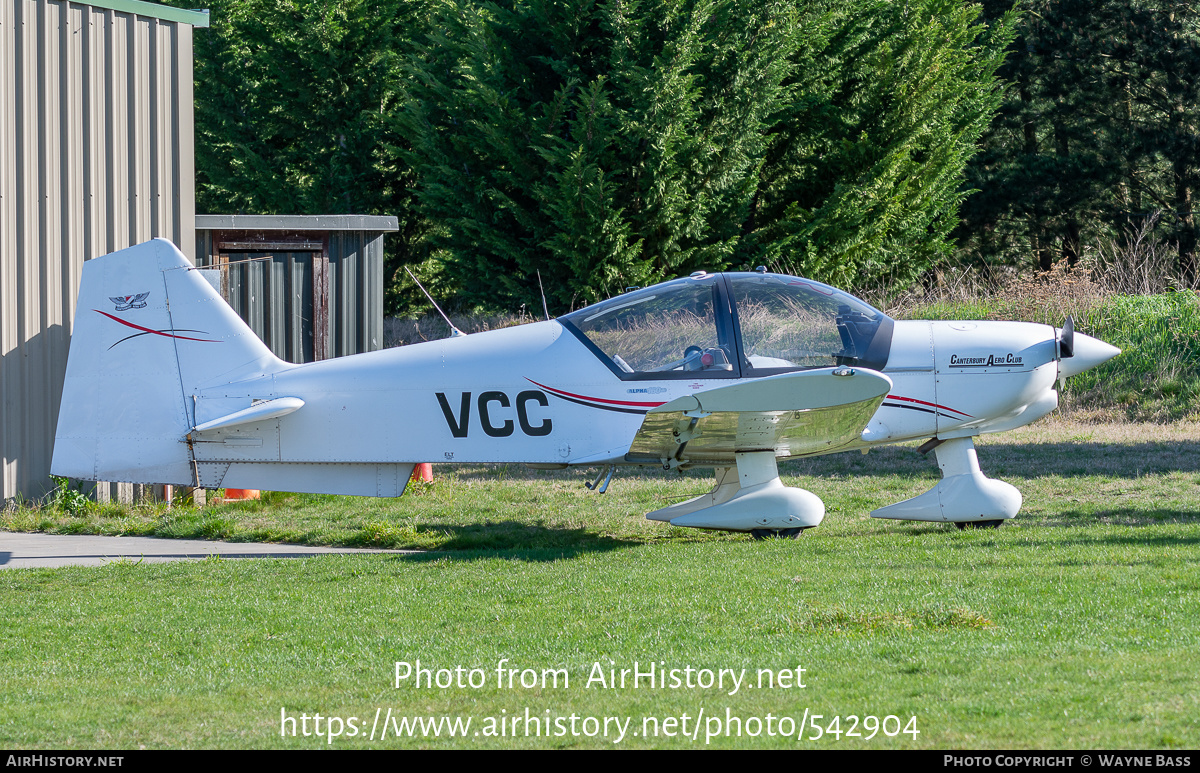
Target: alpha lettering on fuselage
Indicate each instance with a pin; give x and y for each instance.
(494, 411)
(1006, 360)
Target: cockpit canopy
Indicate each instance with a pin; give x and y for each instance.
(731, 326)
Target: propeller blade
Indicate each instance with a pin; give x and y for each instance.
(1066, 339)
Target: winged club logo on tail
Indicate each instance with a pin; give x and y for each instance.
(127, 302)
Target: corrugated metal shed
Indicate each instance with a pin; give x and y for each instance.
(310, 286)
(96, 154)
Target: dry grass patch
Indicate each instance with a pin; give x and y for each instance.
(1057, 428)
(858, 621)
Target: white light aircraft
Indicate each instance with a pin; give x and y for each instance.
(166, 384)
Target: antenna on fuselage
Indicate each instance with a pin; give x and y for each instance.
(454, 332)
(542, 290)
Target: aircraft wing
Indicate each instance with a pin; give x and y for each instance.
(792, 414)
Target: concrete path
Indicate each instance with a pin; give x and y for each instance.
(27, 551)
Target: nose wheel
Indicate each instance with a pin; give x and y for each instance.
(978, 524)
(964, 496)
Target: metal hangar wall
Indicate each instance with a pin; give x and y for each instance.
(96, 154)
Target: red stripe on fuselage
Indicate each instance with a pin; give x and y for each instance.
(931, 405)
(594, 399)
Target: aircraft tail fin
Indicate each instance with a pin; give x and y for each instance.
(149, 332)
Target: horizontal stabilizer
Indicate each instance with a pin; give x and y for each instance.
(261, 411)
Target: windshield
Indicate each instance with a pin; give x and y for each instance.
(787, 323)
(686, 328)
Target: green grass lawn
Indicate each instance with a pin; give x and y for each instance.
(1075, 625)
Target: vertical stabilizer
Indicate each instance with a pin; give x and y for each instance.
(148, 332)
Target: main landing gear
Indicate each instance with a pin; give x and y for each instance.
(749, 497)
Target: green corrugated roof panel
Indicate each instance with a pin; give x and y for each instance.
(198, 18)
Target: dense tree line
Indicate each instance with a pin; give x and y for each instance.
(606, 143)
(1099, 132)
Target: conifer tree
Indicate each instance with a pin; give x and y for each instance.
(602, 144)
(617, 143)
(863, 179)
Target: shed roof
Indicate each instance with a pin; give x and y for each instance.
(299, 222)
